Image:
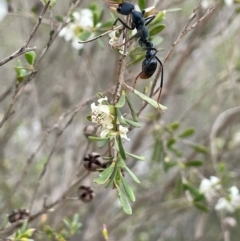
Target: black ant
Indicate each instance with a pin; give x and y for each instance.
(149, 64)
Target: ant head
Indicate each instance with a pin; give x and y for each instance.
(123, 8)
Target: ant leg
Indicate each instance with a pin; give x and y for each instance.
(99, 36)
(161, 83)
(124, 24)
(149, 19)
(135, 81)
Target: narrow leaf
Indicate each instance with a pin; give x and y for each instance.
(194, 191)
(124, 202)
(121, 148)
(128, 191)
(104, 176)
(200, 148)
(95, 138)
(133, 123)
(149, 100)
(121, 101)
(120, 117)
(188, 132)
(201, 206)
(174, 125)
(30, 57)
(134, 177)
(141, 158)
(134, 115)
(142, 4)
(157, 29)
(194, 163)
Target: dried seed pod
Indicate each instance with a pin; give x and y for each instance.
(18, 214)
(92, 162)
(86, 193)
(89, 130)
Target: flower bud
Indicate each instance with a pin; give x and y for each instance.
(89, 130)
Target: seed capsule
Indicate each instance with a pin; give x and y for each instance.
(86, 193)
(92, 162)
(18, 214)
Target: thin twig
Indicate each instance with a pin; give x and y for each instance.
(17, 53)
(35, 28)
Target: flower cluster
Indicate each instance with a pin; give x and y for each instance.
(211, 188)
(82, 21)
(101, 115)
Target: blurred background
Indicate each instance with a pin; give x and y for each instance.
(200, 126)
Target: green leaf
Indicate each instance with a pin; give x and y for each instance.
(95, 138)
(67, 223)
(28, 233)
(200, 148)
(201, 206)
(171, 142)
(159, 18)
(149, 100)
(121, 101)
(24, 226)
(199, 197)
(157, 40)
(134, 177)
(121, 148)
(156, 29)
(120, 162)
(84, 35)
(176, 151)
(134, 115)
(194, 163)
(158, 152)
(174, 125)
(133, 123)
(124, 202)
(128, 191)
(142, 4)
(168, 164)
(120, 117)
(76, 218)
(30, 57)
(194, 191)
(188, 132)
(59, 18)
(141, 158)
(170, 10)
(137, 59)
(113, 176)
(104, 176)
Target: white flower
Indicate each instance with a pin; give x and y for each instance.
(82, 21)
(3, 9)
(207, 3)
(101, 114)
(123, 132)
(210, 187)
(229, 2)
(231, 203)
(114, 42)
